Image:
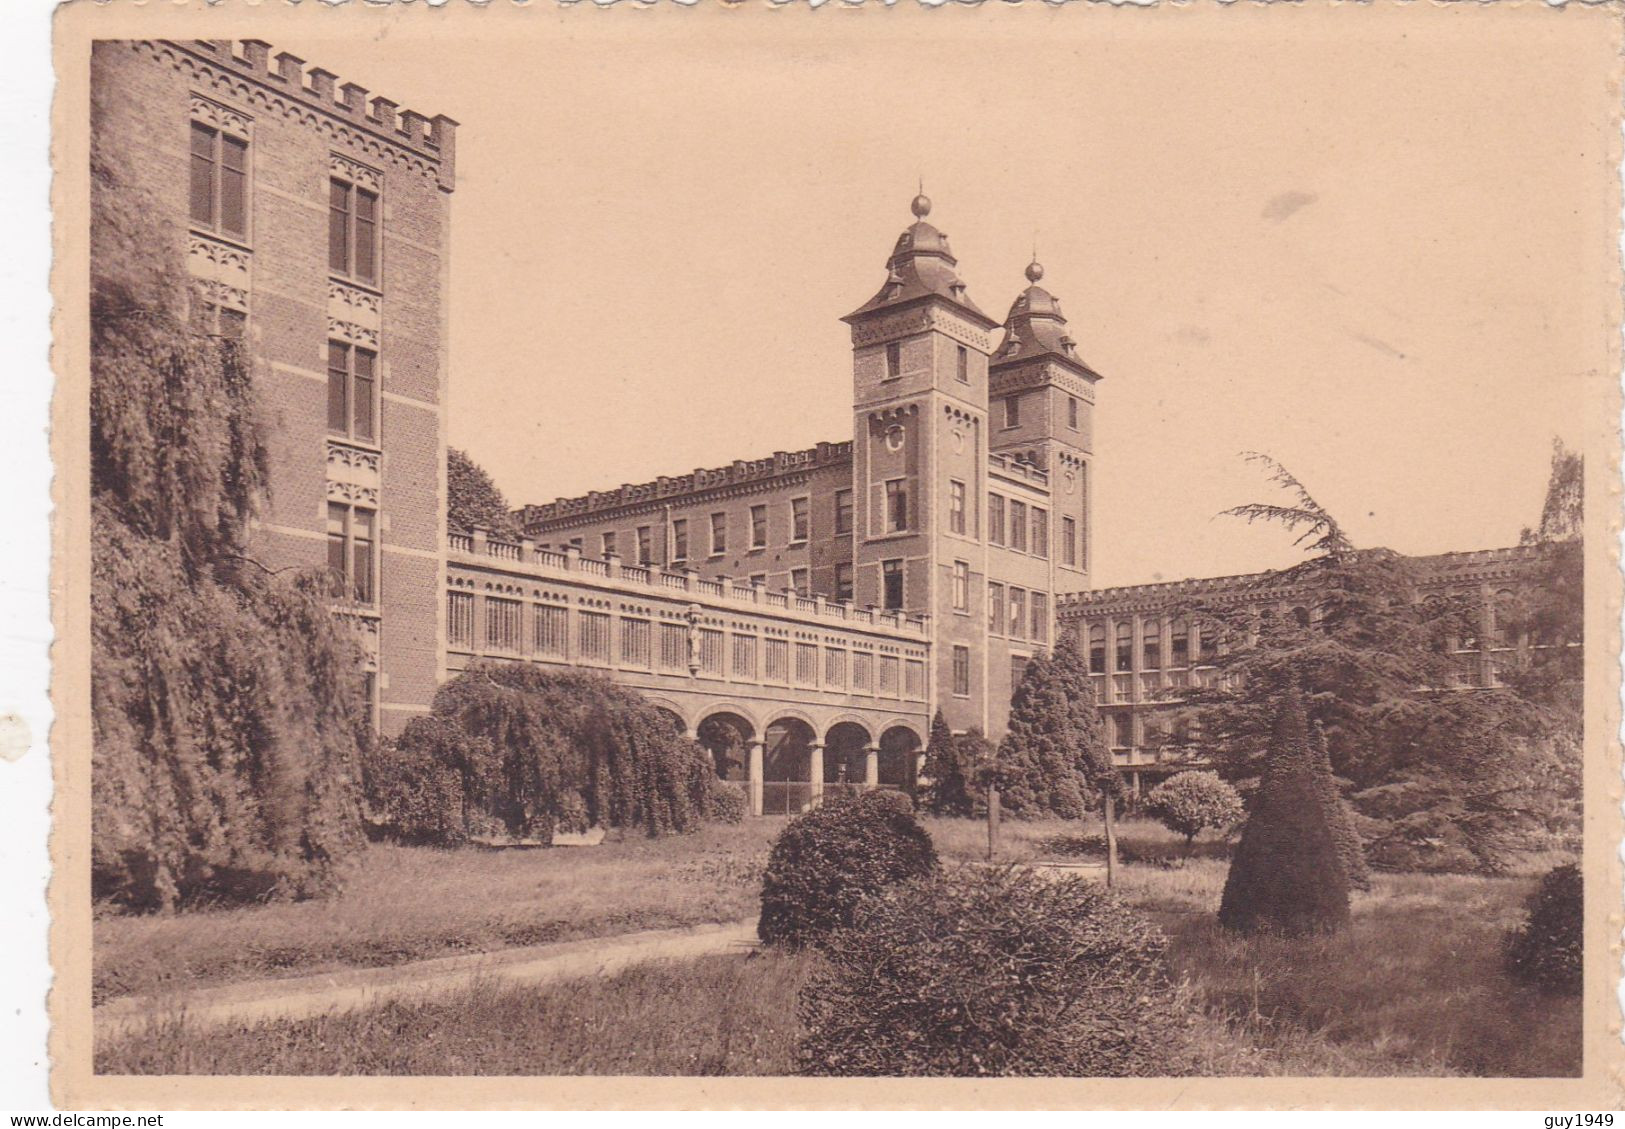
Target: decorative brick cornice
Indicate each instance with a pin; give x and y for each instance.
(212, 66)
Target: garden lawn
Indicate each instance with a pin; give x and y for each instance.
(412, 903)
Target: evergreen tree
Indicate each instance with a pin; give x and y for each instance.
(951, 790)
(1350, 847)
(472, 498)
(1054, 757)
(1446, 780)
(1286, 875)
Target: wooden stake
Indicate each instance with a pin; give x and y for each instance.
(1111, 840)
(992, 821)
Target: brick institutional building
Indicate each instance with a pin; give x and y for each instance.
(804, 614)
(313, 222)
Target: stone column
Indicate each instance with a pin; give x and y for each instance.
(815, 774)
(871, 766)
(754, 777)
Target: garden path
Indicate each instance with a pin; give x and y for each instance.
(305, 996)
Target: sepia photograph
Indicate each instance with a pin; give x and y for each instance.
(1044, 545)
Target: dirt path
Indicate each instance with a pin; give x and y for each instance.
(305, 996)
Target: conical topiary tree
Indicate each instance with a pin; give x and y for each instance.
(1287, 876)
(1350, 847)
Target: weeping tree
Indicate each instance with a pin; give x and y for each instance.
(227, 705)
(1446, 780)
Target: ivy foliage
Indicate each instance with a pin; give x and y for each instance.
(227, 705)
(1053, 759)
(520, 752)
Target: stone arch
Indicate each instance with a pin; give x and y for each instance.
(845, 744)
(787, 747)
(677, 715)
(900, 747)
(727, 736)
(785, 713)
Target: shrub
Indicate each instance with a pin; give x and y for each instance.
(824, 862)
(1286, 875)
(538, 751)
(991, 972)
(726, 802)
(424, 786)
(951, 787)
(1190, 802)
(1549, 948)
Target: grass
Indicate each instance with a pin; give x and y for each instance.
(647, 1020)
(413, 903)
(1414, 986)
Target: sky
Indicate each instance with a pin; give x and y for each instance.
(1368, 248)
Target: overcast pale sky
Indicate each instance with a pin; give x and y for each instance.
(1372, 255)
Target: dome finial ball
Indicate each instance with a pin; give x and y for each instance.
(1034, 272)
(920, 206)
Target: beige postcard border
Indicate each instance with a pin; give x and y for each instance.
(75, 1086)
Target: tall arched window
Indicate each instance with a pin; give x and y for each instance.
(1125, 645)
(1179, 644)
(1097, 648)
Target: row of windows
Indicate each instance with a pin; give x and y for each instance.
(218, 203)
(637, 642)
(1012, 403)
(1151, 657)
(1017, 612)
(800, 531)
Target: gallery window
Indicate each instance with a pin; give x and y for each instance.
(352, 231)
(961, 586)
(843, 511)
(962, 671)
(1069, 541)
(1018, 525)
(1040, 617)
(646, 548)
(800, 523)
(679, 540)
(758, 527)
(995, 607)
(608, 544)
(1040, 532)
(1124, 645)
(956, 506)
(219, 188)
(352, 391)
(1097, 648)
(995, 519)
(1018, 612)
(719, 534)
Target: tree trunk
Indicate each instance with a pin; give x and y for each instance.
(1111, 840)
(992, 821)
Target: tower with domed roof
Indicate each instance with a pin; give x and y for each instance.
(1041, 400)
(920, 351)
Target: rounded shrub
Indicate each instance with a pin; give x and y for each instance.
(726, 803)
(992, 971)
(1192, 802)
(825, 862)
(1548, 950)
